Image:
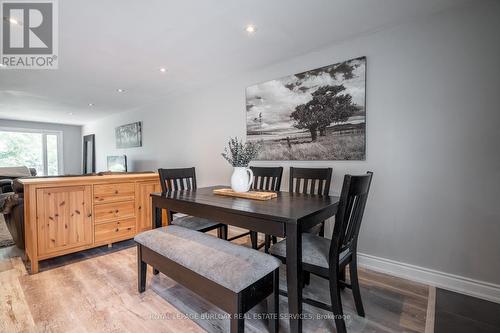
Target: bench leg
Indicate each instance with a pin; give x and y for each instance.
(141, 270)
(274, 303)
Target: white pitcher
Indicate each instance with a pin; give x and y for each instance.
(242, 179)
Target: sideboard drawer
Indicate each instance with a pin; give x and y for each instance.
(114, 192)
(113, 211)
(112, 230)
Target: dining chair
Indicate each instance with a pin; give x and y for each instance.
(307, 181)
(268, 179)
(328, 258)
(311, 181)
(265, 179)
(185, 179)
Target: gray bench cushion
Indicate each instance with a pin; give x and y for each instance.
(193, 222)
(315, 250)
(232, 266)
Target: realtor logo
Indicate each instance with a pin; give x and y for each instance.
(29, 34)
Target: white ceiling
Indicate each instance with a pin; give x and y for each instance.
(105, 45)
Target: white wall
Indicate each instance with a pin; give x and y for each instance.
(72, 141)
(432, 137)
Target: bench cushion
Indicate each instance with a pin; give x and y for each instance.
(315, 250)
(193, 222)
(232, 266)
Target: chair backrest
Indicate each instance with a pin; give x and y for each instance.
(350, 213)
(177, 179)
(267, 178)
(310, 180)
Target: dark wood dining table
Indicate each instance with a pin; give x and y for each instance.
(285, 216)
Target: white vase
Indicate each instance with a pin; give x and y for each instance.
(242, 179)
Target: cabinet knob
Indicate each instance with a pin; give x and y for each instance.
(116, 191)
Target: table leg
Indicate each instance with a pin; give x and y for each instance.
(156, 224)
(294, 276)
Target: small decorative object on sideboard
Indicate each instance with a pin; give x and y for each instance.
(239, 155)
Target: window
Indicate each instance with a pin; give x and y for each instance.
(37, 149)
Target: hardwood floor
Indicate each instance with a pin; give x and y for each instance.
(99, 294)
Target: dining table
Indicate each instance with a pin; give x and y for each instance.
(286, 216)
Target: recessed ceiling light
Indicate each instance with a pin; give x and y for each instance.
(163, 69)
(91, 104)
(120, 90)
(250, 28)
(70, 113)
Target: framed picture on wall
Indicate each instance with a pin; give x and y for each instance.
(129, 136)
(315, 115)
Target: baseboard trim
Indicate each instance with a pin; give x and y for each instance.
(472, 287)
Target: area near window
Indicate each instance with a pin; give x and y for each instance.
(39, 149)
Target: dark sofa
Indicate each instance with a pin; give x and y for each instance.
(12, 206)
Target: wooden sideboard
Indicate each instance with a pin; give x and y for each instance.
(70, 214)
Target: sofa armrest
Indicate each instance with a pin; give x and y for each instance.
(17, 186)
(15, 220)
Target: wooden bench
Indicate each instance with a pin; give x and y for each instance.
(232, 277)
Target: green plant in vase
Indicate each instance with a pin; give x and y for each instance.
(239, 154)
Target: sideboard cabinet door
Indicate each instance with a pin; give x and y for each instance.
(64, 218)
(143, 202)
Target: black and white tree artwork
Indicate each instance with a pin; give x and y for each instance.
(315, 115)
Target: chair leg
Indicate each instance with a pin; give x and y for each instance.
(141, 270)
(253, 239)
(225, 231)
(342, 277)
(322, 229)
(274, 303)
(222, 232)
(267, 243)
(353, 272)
(306, 278)
(337, 303)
